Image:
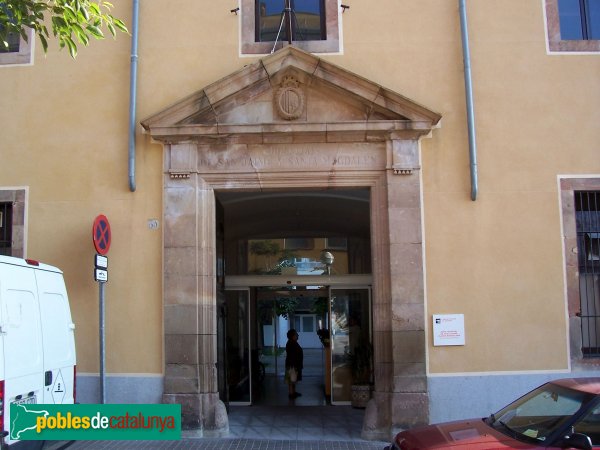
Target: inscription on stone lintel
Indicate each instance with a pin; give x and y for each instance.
(291, 158)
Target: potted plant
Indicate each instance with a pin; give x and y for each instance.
(324, 337)
(361, 365)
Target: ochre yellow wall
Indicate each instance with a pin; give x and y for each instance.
(497, 260)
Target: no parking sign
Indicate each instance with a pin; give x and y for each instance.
(101, 237)
(101, 234)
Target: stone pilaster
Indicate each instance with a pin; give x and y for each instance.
(409, 402)
(378, 413)
(401, 398)
(190, 295)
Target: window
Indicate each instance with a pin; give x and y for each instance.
(19, 50)
(587, 218)
(590, 425)
(573, 25)
(305, 323)
(580, 208)
(12, 222)
(540, 413)
(5, 228)
(579, 19)
(314, 27)
(299, 243)
(307, 20)
(13, 40)
(336, 243)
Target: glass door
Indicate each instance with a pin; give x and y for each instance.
(351, 355)
(237, 344)
(270, 338)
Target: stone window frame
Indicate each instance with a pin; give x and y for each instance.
(555, 43)
(333, 29)
(24, 57)
(567, 187)
(18, 197)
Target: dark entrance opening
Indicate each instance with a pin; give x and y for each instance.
(319, 239)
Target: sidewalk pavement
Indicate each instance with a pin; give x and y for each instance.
(265, 428)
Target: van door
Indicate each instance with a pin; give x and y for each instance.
(22, 336)
(57, 337)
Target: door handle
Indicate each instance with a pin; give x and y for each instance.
(48, 377)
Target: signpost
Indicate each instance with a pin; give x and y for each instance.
(101, 237)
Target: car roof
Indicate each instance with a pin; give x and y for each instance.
(591, 385)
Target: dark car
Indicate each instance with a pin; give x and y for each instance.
(560, 414)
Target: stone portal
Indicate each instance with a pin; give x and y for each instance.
(293, 121)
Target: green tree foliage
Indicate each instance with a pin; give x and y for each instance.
(71, 21)
(285, 306)
(266, 248)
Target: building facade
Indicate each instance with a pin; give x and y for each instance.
(363, 181)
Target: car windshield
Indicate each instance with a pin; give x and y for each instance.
(539, 414)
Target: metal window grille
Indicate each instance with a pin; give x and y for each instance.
(6, 229)
(587, 216)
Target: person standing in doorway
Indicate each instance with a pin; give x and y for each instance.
(294, 360)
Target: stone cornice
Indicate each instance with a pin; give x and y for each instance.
(294, 132)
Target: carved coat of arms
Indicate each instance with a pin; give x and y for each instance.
(289, 99)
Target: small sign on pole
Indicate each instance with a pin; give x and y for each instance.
(101, 237)
(101, 262)
(101, 268)
(101, 275)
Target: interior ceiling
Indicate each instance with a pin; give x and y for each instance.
(280, 214)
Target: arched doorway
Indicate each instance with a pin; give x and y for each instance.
(346, 134)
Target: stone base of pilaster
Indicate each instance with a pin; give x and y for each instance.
(388, 413)
(376, 423)
(203, 415)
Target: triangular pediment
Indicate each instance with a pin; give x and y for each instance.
(290, 91)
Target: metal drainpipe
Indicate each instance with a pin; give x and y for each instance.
(133, 92)
(469, 97)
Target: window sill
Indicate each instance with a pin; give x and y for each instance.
(591, 46)
(264, 48)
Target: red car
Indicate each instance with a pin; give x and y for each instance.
(560, 414)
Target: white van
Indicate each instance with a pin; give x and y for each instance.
(37, 345)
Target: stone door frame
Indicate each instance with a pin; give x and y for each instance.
(190, 290)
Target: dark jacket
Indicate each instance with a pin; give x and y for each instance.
(294, 356)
